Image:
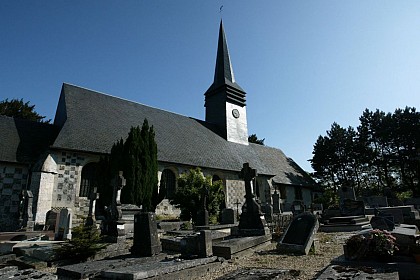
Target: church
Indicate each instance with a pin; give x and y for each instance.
(56, 162)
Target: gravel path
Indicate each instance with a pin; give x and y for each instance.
(306, 267)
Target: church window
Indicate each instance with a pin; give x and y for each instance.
(298, 193)
(215, 178)
(168, 182)
(88, 179)
(283, 192)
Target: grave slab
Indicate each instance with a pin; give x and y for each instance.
(357, 273)
(257, 274)
(92, 269)
(148, 270)
(230, 247)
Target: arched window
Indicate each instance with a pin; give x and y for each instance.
(215, 178)
(88, 179)
(168, 182)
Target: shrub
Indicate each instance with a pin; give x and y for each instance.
(85, 243)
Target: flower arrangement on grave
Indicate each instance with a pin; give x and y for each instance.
(377, 243)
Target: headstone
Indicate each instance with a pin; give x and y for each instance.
(300, 233)
(203, 213)
(228, 216)
(51, 219)
(396, 214)
(27, 216)
(317, 208)
(276, 202)
(92, 204)
(352, 208)
(113, 226)
(252, 221)
(146, 241)
(268, 212)
(375, 201)
(382, 223)
(346, 192)
(413, 201)
(63, 229)
(205, 244)
(297, 207)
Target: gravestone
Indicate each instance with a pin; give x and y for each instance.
(346, 192)
(268, 212)
(92, 204)
(396, 214)
(203, 213)
(205, 244)
(299, 235)
(51, 220)
(375, 201)
(228, 216)
(352, 208)
(297, 207)
(415, 201)
(382, 223)
(113, 226)
(63, 229)
(146, 240)
(276, 202)
(252, 221)
(28, 221)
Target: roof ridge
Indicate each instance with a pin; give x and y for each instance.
(127, 100)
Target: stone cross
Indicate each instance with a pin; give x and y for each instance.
(118, 183)
(94, 195)
(248, 174)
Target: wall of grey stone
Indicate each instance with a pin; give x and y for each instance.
(13, 179)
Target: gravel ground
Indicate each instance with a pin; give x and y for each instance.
(306, 267)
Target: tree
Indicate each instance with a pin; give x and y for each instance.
(382, 153)
(254, 139)
(189, 195)
(140, 166)
(21, 110)
(137, 158)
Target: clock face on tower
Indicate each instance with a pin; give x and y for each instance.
(235, 113)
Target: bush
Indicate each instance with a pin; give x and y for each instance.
(189, 195)
(85, 243)
(377, 243)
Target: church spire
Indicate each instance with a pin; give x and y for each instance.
(225, 99)
(224, 68)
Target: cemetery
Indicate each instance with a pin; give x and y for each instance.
(183, 198)
(131, 244)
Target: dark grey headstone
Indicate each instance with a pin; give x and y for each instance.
(228, 216)
(202, 217)
(375, 201)
(382, 223)
(346, 192)
(396, 214)
(51, 219)
(300, 234)
(352, 208)
(146, 240)
(276, 202)
(205, 244)
(297, 207)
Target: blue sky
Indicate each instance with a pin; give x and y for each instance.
(303, 64)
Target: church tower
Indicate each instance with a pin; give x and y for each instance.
(225, 99)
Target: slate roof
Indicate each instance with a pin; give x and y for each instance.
(23, 141)
(92, 122)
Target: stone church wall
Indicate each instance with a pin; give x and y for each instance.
(13, 179)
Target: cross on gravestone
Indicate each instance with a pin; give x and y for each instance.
(94, 195)
(252, 221)
(248, 174)
(118, 183)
